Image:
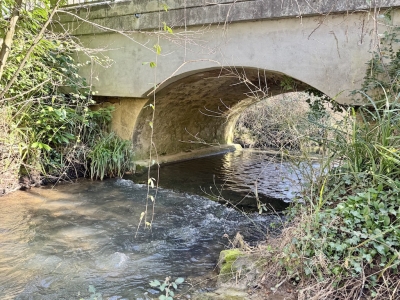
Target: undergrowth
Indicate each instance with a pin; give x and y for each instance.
(343, 237)
(48, 128)
(269, 124)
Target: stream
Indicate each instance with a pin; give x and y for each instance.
(60, 243)
(233, 178)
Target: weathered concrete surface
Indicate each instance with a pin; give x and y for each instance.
(328, 53)
(125, 114)
(204, 73)
(147, 15)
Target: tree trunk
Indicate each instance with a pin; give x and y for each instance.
(6, 45)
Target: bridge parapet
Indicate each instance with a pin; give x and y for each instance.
(147, 15)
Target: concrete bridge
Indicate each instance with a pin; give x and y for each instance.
(222, 56)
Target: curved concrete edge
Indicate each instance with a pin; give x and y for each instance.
(182, 156)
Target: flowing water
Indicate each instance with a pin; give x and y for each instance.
(233, 177)
(55, 243)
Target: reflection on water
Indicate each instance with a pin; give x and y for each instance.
(55, 243)
(233, 176)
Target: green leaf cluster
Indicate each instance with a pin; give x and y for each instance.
(49, 108)
(167, 287)
(361, 231)
(382, 79)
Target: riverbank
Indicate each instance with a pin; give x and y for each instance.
(243, 275)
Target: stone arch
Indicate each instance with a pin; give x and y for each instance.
(200, 108)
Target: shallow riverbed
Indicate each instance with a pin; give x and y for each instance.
(55, 243)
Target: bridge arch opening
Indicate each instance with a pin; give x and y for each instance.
(282, 122)
(201, 109)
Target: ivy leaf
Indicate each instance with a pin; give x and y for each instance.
(179, 280)
(155, 283)
(386, 220)
(380, 249)
(357, 267)
(367, 257)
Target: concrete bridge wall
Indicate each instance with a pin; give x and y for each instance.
(221, 58)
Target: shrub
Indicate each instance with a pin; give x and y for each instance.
(47, 102)
(269, 124)
(110, 156)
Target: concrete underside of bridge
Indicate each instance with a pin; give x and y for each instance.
(198, 110)
(207, 74)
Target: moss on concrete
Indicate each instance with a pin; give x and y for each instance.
(227, 259)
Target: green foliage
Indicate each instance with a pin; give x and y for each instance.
(361, 231)
(318, 102)
(350, 225)
(288, 84)
(51, 122)
(73, 140)
(366, 142)
(382, 79)
(110, 156)
(167, 287)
